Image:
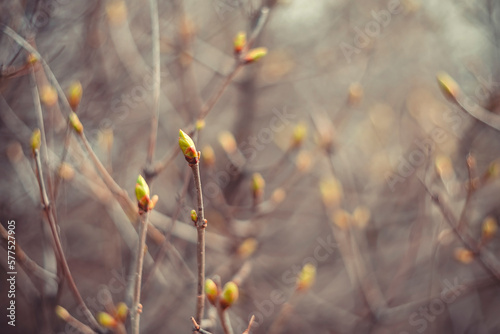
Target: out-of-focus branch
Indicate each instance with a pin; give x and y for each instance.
(452, 92)
(466, 240)
(25, 261)
(66, 316)
(212, 101)
(155, 28)
(53, 227)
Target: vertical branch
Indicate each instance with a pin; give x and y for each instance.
(39, 114)
(136, 306)
(200, 245)
(155, 28)
(224, 320)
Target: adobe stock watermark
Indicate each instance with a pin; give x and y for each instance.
(454, 119)
(428, 314)
(227, 6)
(249, 148)
(372, 29)
(266, 308)
(42, 16)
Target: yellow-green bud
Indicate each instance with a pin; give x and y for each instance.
(106, 320)
(258, 185)
(62, 312)
(121, 312)
(36, 139)
(247, 247)
(208, 155)
(32, 59)
(194, 216)
(75, 94)
(355, 93)
(211, 291)
(75, 122)
(464, 255)
(142, 192)
(299, 134)
(254, 55)
(230, 295)
(227, 141)
(448, 86)
(200, 124)
(187, 147)
(48, 95)
(490, 227)
(239, 42)
(306, 277)
(152, 202)
(493, 171)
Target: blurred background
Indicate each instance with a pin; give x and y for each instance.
(363, 161)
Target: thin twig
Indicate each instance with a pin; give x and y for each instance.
(212, 101)
(129, 207)
(77, 324)
(59, 251)
(471, 187)
(250, 323)
(24, 260)
(223, 317)
(224, 320)
(200, 245)
(120, 194)
(167, 245)
(208, 106)
(22, 42)
(155, 28)
(478, 112)
(197, 327)
(39, 114)
(261, 21)
(136, 309)
(466, 240)
(280, 320)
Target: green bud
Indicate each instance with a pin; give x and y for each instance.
(306, 277)
(299, 134)
(187, 147)
(230, 294)
(194, 216)
(75, 94)
(106, 320)
(142, 192)
(490, 228)
(211, 291)
(239, 42)
(36, 139)
(254, 55)
(62, 312)
(448, 86)
(121, 312)
(75, 122)
(258, 185)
